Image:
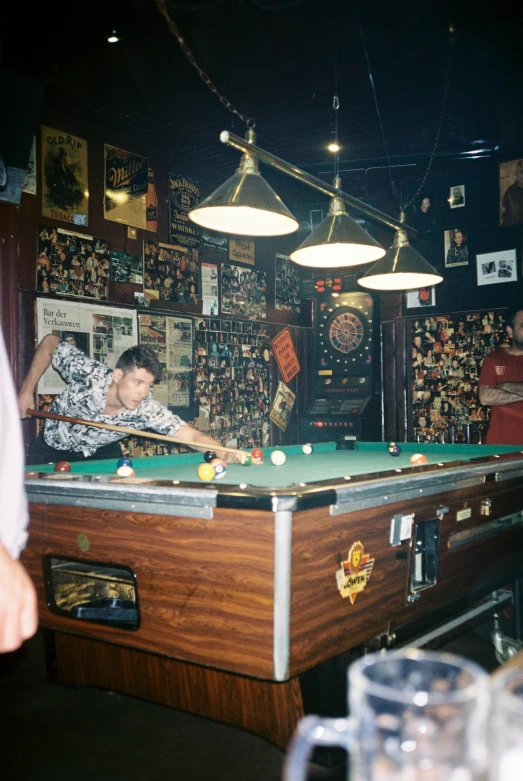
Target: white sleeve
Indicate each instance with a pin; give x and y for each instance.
(13, 501)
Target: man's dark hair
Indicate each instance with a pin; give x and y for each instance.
(140, 357)
(511, 314)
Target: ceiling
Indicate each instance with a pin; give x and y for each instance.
(281, 62)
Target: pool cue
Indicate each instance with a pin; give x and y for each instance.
(134, 432)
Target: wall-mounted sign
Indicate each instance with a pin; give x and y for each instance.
(285, 355)
(241, 251)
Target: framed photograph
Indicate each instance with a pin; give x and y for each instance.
(496, 267)
(456, 242)
(511, 193)
(425, 296)
(457, 196)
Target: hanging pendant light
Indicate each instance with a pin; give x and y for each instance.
(337, 241)
(245, 204)
(402, 268)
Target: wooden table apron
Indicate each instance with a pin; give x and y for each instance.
(237, 586)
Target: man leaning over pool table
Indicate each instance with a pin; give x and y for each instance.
(121, 397)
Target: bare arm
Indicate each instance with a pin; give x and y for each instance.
(41, 360)
(505, 393)
(18, 614)
(199, 441)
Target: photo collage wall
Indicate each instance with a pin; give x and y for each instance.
(447, 354)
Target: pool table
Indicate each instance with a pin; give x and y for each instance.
(243, 599)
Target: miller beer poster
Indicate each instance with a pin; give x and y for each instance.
(126, 182)
(184, 195)
(65, 191)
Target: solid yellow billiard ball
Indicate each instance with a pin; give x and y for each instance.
(206, 472)
(278, 457)
(418, 458)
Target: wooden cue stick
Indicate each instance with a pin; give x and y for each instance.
(134, 432)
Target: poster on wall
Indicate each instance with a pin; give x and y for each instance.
(282, 405)
(125, 187)
(209, 289)
(71, 264)
(244, 292)
(184, 195)
(511, 193)
(126, 267)
(151, 203)
(425, 296)
(242, 251)
(285, 354)
(170, 272)
(457, 196)
(287, 288)
(65, 189)
(30, 174)
(496, 267)
(214, 240)
(102, 332)
(456, 247)
(171, 338)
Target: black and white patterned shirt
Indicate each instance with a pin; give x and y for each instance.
(85, 396)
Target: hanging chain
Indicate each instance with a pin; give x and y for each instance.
(162, 7)
(440, 123)
(336, 106)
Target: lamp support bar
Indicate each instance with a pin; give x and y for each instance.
(231, 139)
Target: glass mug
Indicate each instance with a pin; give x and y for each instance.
(414, 716)
(506, 725)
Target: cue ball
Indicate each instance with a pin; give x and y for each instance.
(278, 457)
(206, 472)
(307, 448)
(395, 450)
(62, 466)
(124, 462)
(209, 455)
(418, 458)
(125, 470)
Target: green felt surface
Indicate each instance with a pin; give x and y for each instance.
(326, 463)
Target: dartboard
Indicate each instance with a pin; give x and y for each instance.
(345, 331)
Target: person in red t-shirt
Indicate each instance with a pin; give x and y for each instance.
(501, 386)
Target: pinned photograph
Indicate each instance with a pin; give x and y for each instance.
(457, 196)
(425, 296)
(496, 267)
(456, 247)
(511, 193)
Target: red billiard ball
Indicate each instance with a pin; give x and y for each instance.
(418, 458)
(257, 453)
(209, 456)
(62, 466)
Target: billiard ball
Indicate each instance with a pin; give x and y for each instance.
(395, 450)
(125, 470)
(257, 455)
(209, 456)
(62, 466)
(418, 458)
(390, 444)
(247, 460)
(278, 457)
(220, 469)
(307, 448)
(206, 472)
(124, 462)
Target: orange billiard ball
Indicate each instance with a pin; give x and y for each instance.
(418, 458)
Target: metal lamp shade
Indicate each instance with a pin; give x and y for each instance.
(402, 268)
(245, 204)
(337, 241)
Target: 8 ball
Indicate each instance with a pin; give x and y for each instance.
(209, 456)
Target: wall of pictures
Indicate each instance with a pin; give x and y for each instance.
(447, 353)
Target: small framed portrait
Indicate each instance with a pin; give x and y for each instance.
(425, 296)
(457, 196)
(511, 193)
(456, 246)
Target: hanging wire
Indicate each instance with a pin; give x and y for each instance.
(336, 106)
(162, 8)
(405, 206)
